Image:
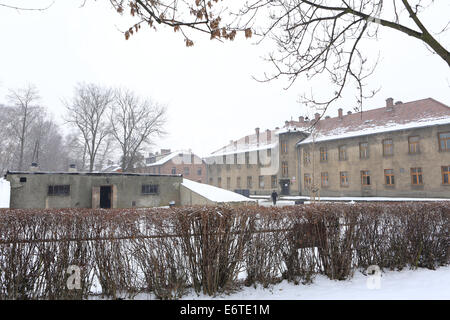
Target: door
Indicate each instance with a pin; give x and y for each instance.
(105, 197)
(285, 186)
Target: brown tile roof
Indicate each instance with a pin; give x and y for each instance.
(401, 116)
(420, 112)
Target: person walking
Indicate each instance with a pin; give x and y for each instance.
(274, 197)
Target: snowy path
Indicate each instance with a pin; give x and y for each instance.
(420, 284)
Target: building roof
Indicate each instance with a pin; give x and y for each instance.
(401, 116)
(92, 173)
(213, 193)
(171, 156)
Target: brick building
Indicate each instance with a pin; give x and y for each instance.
(401, 149)
(185, 163)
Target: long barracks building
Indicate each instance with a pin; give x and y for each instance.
(399, 150)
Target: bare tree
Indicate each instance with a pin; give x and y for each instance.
(134, 121)
(88, 112)
(7, 143)
(314, 37)
(24, 102)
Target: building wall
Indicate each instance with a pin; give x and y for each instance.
(34, 192)
(225, 168)
(430, 159)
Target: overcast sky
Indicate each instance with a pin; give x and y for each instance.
(208, 88)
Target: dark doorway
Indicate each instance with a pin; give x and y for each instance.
(285, 187)
(105, 197)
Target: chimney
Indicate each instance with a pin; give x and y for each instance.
(34, 167)
(389, 103)
(72, 167)
(268, 135)
(301, 119)
(340, 113)
(349, 112)
(257, 135)
(317, 116)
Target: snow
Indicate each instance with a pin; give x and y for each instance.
(420, 284)
(241, 148)
(293, 198)
(164, 159)
(214, 193)
(4, 193)
(342, 133)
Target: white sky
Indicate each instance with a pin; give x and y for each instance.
(208, 89)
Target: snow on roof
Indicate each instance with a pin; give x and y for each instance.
(214, 193)
(163, 160)
(246, 148)
(414, 114)
(342, 133)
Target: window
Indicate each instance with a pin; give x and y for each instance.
(247, 158)
(416, 176)
(59, 190)
(446, 175)
(23, 179)
(273, 181)
(238, 182)
(388, 147)
(269, 153)
(261, 182)
(235, 158)
(413, 144)
(284, 148)
(219, 182)
(224, 159)
(324, 179)
(323, 154)
(307, 180)
(343, 177)
(199, 171)
(150, 189)
(365, 178)
(342, 153)
(364, 150)
(186, 171)
(306, 157)
(284, 168)
(249, 182)
(174, 170)
(389, 177)
(228, 183)
(444, 141)
(210, 181)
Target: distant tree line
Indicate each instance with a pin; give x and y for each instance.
(103, 124)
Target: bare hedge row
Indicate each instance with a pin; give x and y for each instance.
(211, 249)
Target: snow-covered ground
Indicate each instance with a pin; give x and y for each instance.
(419, 284)
(4, 193)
